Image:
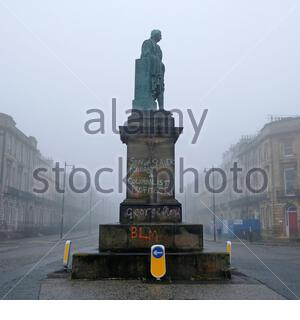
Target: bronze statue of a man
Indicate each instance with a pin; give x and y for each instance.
(150, 49)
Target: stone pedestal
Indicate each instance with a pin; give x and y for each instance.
(189, 266)
(150, 138)
(150, 214)
(140, 237)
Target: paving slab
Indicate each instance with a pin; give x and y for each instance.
(239, 288)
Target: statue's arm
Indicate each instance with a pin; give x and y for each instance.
(146, 49)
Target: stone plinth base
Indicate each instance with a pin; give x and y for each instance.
(150, 137)
(180, 266)
(140, 237)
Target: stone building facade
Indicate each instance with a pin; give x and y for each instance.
(23, 211)
(275, 150)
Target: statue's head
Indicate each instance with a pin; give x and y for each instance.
(156, 35)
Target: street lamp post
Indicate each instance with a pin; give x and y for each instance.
(63, 200)
(90, 209)
(213, 201)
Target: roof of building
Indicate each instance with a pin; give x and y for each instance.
(276, 126)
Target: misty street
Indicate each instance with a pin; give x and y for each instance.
(150, 150)
(283, 260)
(19, 256)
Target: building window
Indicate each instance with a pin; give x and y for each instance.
(8, 173)
(6, 213)
(262, 217)
(18, 151)
(288, 148)
(26, 187)
(9, 144)
(14, 147)
(266, 151)
(19, 178)
(268, 176)
(13, 178)
(289, 181)
(22, 153)
(268, 221)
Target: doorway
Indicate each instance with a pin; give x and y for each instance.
(291, 221)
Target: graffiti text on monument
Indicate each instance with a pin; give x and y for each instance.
(149, 175)
(153, 213)
(143, 233)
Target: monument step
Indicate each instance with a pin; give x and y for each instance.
(180, 266)
(140, 237)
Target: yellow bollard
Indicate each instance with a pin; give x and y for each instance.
(229, 250)
(67, 254)
(158, 261)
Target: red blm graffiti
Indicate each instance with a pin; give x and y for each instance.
(143, 233)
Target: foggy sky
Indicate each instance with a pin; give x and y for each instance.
(239, 59)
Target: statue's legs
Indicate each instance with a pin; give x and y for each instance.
(160, 100)
(158, 89)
